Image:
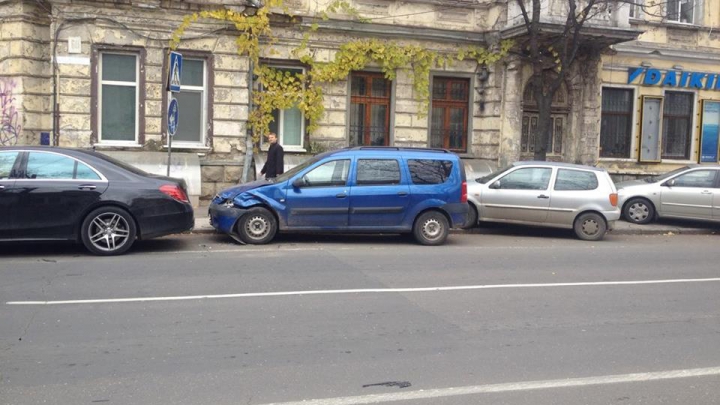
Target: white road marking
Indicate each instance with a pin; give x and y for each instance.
(363, 290)
(509, 387)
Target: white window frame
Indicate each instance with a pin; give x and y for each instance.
(204, 91)
(679, 11)
(135, 84)
(281, 117)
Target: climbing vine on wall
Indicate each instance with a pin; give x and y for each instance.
(283, 89)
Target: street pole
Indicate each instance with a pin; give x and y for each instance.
(170, 137)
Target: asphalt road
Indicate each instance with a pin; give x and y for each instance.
(512, 317)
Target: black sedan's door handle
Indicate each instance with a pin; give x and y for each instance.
(2, 187)
(543, 196)
(87, 187)
(341, 195)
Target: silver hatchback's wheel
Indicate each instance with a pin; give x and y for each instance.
(431, 228)
(108, 231)
(472, 219)
(590, 226)
(639, 211)
(257, 227)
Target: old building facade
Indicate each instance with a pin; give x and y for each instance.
(82, 73)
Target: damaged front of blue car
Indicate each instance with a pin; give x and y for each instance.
(232, 203)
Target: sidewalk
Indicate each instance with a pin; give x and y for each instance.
(664, 227)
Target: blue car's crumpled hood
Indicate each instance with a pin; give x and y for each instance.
(231, 192)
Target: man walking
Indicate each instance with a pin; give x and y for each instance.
(274, 166)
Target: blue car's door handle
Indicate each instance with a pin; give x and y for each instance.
(402, 193)
(341, 195)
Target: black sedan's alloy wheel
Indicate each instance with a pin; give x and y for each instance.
(108, 231)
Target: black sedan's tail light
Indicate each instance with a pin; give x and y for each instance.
(175, 192)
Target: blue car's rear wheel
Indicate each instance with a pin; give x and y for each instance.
(431, 228)
(257, 227)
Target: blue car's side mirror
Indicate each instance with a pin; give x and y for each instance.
(299, 182)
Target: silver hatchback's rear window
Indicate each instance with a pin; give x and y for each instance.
(568, 179)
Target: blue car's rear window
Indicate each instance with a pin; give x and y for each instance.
(429, 171)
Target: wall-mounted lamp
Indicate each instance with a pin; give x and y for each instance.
(646, 64)
(483, 74)
(250, 7)
(677, 67)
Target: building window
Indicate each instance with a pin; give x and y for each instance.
(449, 119)
(369, 109)
(289, 124)
(636, 8)
(192, 100)
(677, 125)
(616, 123)
(558, 126)
(681, 11)
(118, 106)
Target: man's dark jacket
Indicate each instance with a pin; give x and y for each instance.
(274, 164)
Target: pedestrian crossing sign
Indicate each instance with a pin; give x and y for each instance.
(175, 72)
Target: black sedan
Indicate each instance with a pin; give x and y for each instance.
(85, 196)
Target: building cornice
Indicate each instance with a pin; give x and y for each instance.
(611, 35)
(397, 31)
(650, 50)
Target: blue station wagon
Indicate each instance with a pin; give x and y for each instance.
(360, 189)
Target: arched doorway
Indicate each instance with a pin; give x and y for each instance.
(560, 112)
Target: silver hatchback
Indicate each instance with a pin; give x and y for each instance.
(559, 195)
(691, 192)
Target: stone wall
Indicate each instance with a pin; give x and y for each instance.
(494, 123)
(127, 28)
(25, 102)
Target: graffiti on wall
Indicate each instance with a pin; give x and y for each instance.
(9, 117)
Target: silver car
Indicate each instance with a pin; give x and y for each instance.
(560, 195)
(691, 192)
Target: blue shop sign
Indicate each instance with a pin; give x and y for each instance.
(674, 78)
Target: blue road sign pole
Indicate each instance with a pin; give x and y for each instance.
(170, 137)
(173, 116)
(174, 84)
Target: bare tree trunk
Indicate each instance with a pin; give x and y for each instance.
(544, 128)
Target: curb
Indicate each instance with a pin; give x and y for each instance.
(205, 229)
(669, 232)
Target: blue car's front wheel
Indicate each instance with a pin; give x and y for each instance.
(257, 227)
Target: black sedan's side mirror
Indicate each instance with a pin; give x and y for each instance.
(299, 182)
